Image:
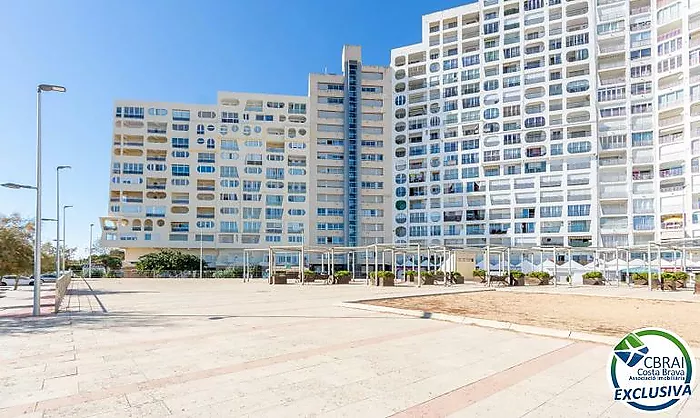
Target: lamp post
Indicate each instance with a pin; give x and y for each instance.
(201, 253)
(63, 247)
(90, 254)
(58, 216)
(36, 307)
(36, 310)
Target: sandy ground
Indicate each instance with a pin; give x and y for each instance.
(600, 315)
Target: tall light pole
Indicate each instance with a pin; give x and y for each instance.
(58, 217)
(63, 251)
(90, 254)
(36, 310)
(201, 253)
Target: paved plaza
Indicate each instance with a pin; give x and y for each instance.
(126, 347)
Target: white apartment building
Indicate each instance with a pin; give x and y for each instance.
(549, 122)
(254, 170)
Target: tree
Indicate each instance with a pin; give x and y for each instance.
(168, 260)
(16, 244)
(109, 262)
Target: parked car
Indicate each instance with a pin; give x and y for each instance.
(23, 281)
(48, 278)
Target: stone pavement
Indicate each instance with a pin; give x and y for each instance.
(128, 347)
(18, 303)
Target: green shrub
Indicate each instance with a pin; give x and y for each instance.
(593, 275)
(517, 274)
(540, 275)
(479, 273)
(641, 278)
(681, 276)
(410, 274)
(228, 273)
(342, 274)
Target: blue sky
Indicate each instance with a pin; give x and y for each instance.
(161, 50)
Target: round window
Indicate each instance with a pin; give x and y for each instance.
(210, 128)
(401, 231)
(401, 192)
(234, 128)
(246, 130)
(160, 222)
(200, 141)
(258, 129)
(401, 178)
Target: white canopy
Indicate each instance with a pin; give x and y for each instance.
(574, 266)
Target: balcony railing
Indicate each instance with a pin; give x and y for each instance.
(642, 176)
(639, 10)
(674, 188)
(671, 121)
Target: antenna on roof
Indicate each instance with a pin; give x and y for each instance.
(325, 70)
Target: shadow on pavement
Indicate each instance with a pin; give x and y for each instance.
(115, 321)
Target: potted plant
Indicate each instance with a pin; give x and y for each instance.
(479, 274)
(593, 278)
(457, 277)
(310, 276)
(342, 277)
(681, 279)
(540, 278)
(640, 279)
(410, 275)
(386, 278)
(427, 277)
(518, 276)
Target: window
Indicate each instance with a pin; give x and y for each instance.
(182, 127)
(181, 115)
(180, 169)
(450, 64)
(490, 85)
(579, 210)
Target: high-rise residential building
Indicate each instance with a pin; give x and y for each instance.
(254, 170)
(549, 122)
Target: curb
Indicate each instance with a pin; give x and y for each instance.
(488, 323)
(435, 293)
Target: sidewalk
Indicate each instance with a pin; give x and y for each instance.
(18, 303)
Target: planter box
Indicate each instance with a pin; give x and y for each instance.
(279, 279)
(342, 280)
(537, 282)
(593, 282)
(386, 281)
(427, 280)
(459, 280)
(697, 287)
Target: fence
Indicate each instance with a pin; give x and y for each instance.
(62, 284)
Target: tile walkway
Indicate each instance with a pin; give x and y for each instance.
(189, 348)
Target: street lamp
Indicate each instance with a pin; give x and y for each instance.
(90, 254)
(201, 253)
(36, 310)
(16, 186)
(58, 216)
(63, 247)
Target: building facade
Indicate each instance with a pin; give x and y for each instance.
(549, 122)
(254, 170)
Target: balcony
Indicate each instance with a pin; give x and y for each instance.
(606, 162)
(671, 172)
(613, 143)
(672, 188)
(642, 175)
(675, 120)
